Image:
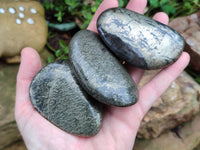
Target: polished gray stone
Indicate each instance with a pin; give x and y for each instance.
(99, 72)
(139, 40)
(55, 94)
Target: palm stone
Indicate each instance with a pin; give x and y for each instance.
(139, 40)
(56, 95)
(99, 72)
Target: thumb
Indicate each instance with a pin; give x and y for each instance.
(30, 65)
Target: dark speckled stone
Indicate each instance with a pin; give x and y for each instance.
(139, 40)
(99, 72)
(55, 93)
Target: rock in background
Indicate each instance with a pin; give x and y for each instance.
(187, 137)
(197, 148)
(16, 146)
(22, 25)
(173, 121)
(9, 133)
(189, 28)
(8, 128)
(177, 105)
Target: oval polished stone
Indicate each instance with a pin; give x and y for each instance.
(139, 40)
(99, 72)
(55, 94)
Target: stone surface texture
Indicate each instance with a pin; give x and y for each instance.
(139, 40)
(54, 92)
(177, 105)
(189, 28)
(22, 25)
(99, 72)
(187, 137)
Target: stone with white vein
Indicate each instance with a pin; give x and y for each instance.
(139, 40)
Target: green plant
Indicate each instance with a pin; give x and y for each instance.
(173, 8)
(62, 8)
(58, 8)
(85, 11)
(122, 3)
(61, 53)
(166, 6)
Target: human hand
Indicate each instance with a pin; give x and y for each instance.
(120, 125)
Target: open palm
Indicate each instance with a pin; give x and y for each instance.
(120, 125)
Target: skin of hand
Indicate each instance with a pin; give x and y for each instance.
(120, 125)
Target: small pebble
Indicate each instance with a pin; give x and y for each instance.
(21, 15)
(18, 21)
(2, 11)
(30, 21)
(11, 10)
(32, 10)
(21, 8)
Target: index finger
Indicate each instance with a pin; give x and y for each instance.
(106, 4)
(137, 5)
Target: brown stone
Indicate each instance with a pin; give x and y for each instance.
(16, 146)
(198, 147)
(187, 137)
(8, 128)
(177, 105)
(189, 27)
(22, 25)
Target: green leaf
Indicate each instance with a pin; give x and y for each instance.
(154, 3)
(64, 57)
(187, 5)
(85, 24)
(169, 9)
(87, 15)
(48, 5)
(59, 16)
(72, 10)
(98, 2)
(196, 2)
(163, 2)
(70, 2)
(121, 3)
(62, 44)
(58, 53)
(50, 59)
(62, 26)
(73, 3)
(94, 8)
(66, 50)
